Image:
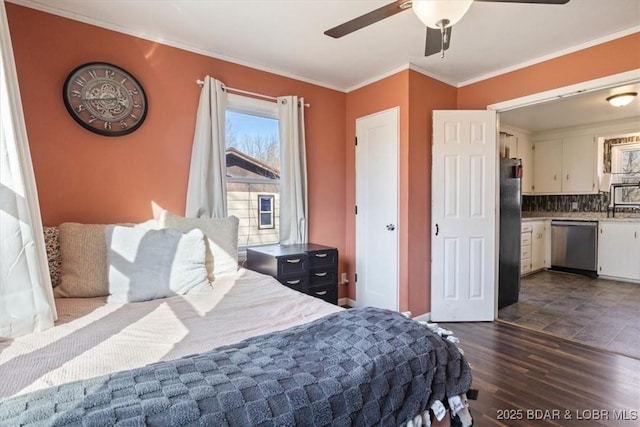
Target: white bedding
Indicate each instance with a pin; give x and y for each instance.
(93, 338)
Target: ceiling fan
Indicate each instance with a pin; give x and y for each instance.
(438, 15)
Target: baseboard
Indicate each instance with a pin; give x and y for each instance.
(423, 317)
(346, 301)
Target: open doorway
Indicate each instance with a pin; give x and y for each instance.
(565, 144)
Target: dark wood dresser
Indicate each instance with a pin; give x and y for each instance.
(308, 268)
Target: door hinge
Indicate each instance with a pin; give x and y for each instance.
(356, 140)
(356, 277)
(356, 209)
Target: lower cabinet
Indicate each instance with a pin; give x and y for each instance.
(619, 250)
(535, 246)
(308, 268)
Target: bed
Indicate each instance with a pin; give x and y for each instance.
(160, 362)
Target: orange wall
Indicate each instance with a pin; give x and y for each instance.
(416, 95)
(603, 60)
(90, 178)
(425, 95)
(387, 93)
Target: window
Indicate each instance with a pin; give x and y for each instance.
(265, 212)
(625, 165)
(253, 169)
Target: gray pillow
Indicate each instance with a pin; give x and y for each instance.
(145, 264)
(222, 239)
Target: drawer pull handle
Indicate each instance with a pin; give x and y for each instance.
(321, 293)
(293, 260)
(321, 255)
(293, 282)
(321, 274)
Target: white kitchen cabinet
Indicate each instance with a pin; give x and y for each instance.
(547, 176)
(565, 165)
(519, 145)
(579, 165)
(539, 243)
(525, 248)
(619, 250)
(526, 154)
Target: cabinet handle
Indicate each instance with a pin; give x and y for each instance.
(321, 255)
(293, 282)
(555, 177)
(324, 273)
(321, 293)
(293, 260)
(567, 177)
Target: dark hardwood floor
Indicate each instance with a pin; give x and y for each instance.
(528, 378)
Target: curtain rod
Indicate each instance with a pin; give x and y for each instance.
(246, 92)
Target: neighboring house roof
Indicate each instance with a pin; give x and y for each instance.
(240, 164)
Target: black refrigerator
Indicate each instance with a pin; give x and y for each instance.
(510, 231)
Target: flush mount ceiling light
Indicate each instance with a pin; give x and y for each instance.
(622, 99)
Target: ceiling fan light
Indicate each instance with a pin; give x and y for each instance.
(621, 99)
(432, 12)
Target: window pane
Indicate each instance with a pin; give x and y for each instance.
(265, 219)
(265, 204)
(253, 153)
(253, 146)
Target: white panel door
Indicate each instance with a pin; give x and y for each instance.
(463, 212)
(377, 209)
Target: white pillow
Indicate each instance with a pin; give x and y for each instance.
(222, 239)
(145, 264)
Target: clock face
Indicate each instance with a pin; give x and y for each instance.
(105, 99)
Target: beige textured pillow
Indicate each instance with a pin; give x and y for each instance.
(222, 239)
(83, 254)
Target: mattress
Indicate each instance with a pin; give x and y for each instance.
(93, 338)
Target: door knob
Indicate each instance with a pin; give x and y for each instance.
(391, 227)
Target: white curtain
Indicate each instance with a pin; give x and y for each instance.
(207, 191)
(293, 171)
(26, 296)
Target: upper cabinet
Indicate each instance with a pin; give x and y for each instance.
(565, 165)
(517, 143)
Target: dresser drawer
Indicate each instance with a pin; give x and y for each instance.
(300, 284)
(526, 227)
(525, 252)
(323, 277)
(323, 258)
(525, 239)
(327, 293)
(525, 266)
(292, 265)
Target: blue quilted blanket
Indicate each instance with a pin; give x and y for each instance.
(361, 367)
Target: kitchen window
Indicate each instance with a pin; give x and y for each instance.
(253, 169)
(625, 166)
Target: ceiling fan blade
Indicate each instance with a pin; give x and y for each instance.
(433, 43)
(369, 18)
(528, 1)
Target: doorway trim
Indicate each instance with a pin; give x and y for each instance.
(632, 76)
(627, 77)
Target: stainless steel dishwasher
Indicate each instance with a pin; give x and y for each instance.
(574, 246)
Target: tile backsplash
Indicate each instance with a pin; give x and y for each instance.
(565, 203)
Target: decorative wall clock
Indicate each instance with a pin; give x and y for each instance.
(105, 99)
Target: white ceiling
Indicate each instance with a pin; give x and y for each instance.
(286, 37)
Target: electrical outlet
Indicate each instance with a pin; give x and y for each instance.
(343, 278)
(574, 206)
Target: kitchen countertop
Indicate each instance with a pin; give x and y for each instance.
(581, 216)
